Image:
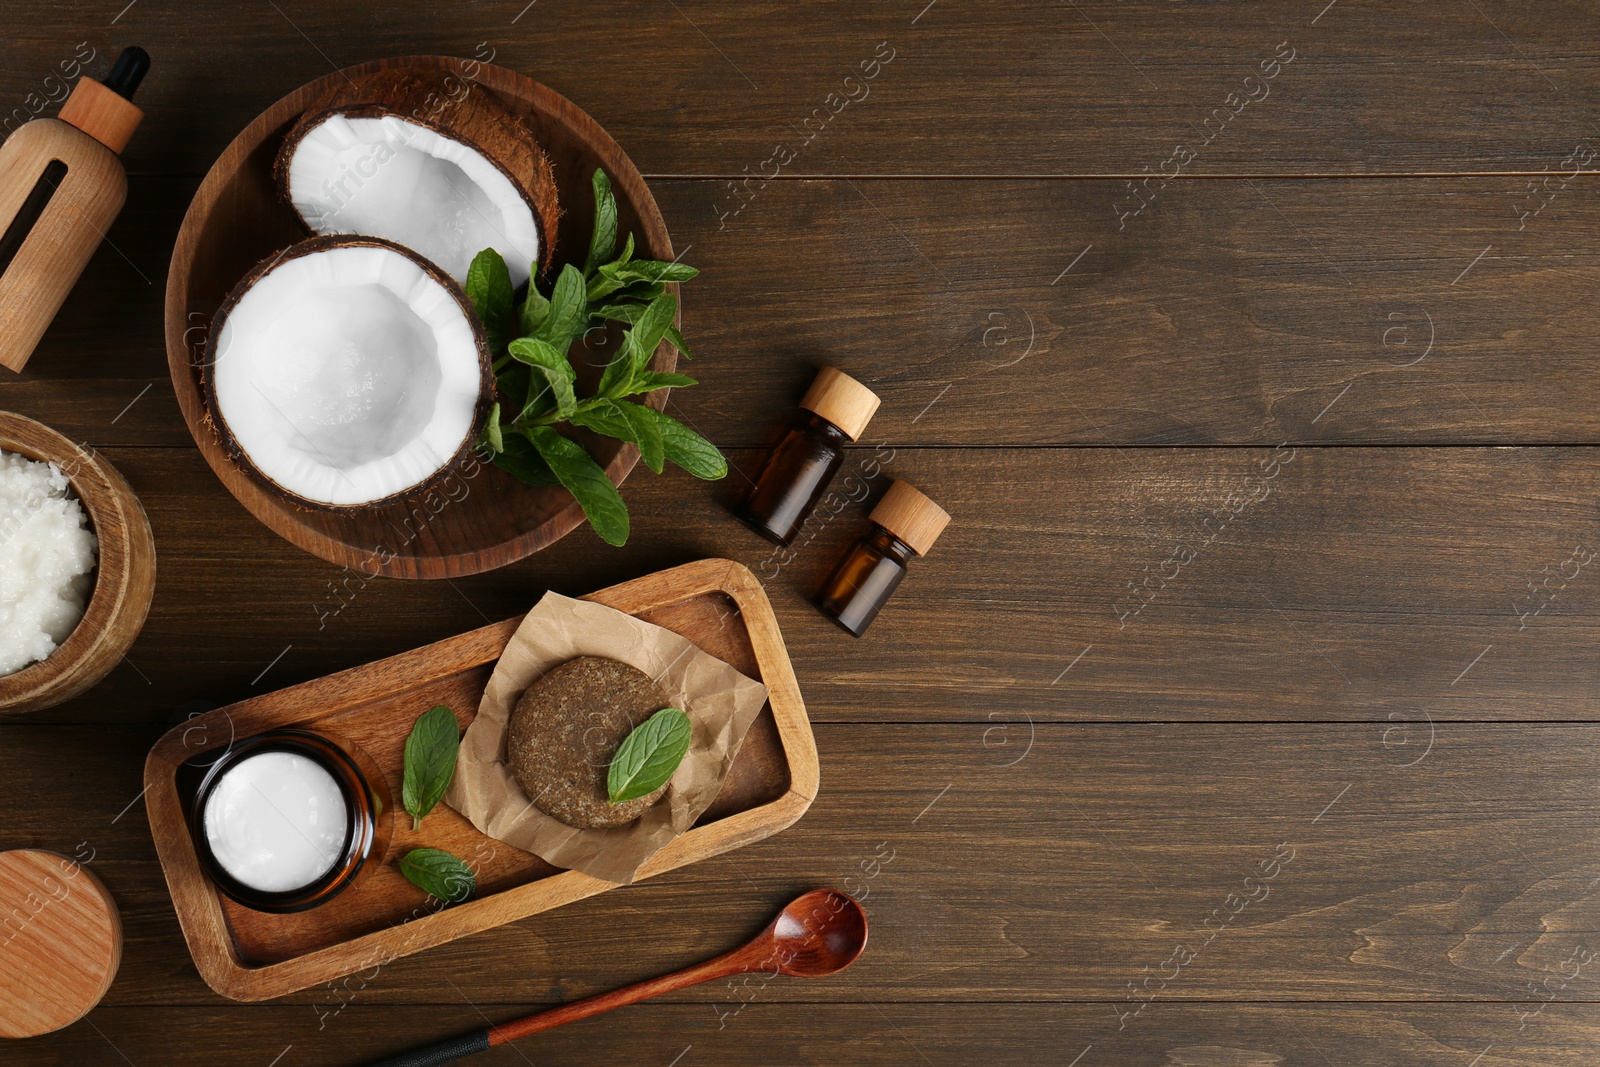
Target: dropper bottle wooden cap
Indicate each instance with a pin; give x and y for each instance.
(106, 111)
(841, 400)
(911, 517)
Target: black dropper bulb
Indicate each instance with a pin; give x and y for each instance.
(128, 71)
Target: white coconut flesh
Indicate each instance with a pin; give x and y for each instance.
(438, 196)
(348, 375)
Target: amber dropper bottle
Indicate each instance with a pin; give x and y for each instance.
(835, 411)
(61, 185)
(905, 524)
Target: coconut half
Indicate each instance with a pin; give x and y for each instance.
(428, 160)
(346, 372)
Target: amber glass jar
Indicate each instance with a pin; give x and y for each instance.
(327, 768)
(834, 412)
(905, 525)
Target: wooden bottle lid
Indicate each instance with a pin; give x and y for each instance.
(60, 942)
(910, 516)
(101, 114)
(841, 400)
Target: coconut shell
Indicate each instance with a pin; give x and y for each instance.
(208, 384)
(564, 732)
(435, 99)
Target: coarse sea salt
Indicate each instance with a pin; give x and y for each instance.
(47, 555)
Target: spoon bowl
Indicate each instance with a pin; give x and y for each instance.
(819, 933)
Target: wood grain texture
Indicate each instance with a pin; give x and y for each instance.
(1361, 585)
(102, 113)
(249, 955)
(991, 89)
(1182, 1035)
(1463, 876)
(124, 576)
(1413, 174)
(1229, 312)
(60, 942)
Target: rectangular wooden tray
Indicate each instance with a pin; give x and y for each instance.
(248, 955)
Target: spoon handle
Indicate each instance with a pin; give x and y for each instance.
(447, 1051)
(453, 1048)
(722, 967)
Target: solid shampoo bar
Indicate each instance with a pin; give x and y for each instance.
(565, 730)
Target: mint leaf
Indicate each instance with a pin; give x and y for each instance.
(491, 429)
(677, 341)
(649, 756)
(430, 761)
(535, 309)
(643, 292)
(600, 280)
(628, 313)
(618, 373)
(604, 241)
(489, 288)
(620, 420)
(626, 290)
(543, 355)
(647, 333)
(438, 873)
(587, 482)
(511, 382)
(555, 368)
(605, 416)
(631, 314)
(683, 446)
(650, 270)
(649, 382)
(569, 311)
(541, 398)
(646, 434)
(523, 462)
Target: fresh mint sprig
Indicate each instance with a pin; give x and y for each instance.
(536, 383)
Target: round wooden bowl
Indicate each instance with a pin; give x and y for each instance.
(480, 518)
(124, 579)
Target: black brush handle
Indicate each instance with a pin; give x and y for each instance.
(447, 1051)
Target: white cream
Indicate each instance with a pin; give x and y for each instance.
(46, 556)
(276, 821)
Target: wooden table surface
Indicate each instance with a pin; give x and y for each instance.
(1242, 717)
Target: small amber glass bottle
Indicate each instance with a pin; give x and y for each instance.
(836, 409)
(905, 524)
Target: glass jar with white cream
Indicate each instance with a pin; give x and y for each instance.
(284, 821)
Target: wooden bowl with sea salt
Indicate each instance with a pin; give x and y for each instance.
(124, 577)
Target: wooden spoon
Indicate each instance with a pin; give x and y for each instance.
(819, 933)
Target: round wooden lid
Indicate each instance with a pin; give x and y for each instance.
(841, 400)
(910, 516)
(60, 942)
